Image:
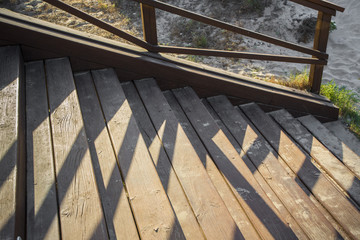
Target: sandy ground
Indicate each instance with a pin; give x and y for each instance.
(344, 47)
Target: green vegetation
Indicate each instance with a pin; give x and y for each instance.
(296, 80)
(200, 41)
(346, 101)
(332, 26)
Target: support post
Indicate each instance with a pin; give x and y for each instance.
(149, 24)
(320, 43)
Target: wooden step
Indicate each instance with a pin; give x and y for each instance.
(152, 210)
(213, 216)
(300, 163)
(240, 179)
(260, 153)
(12, 144)
(167, 175)
(259, 178)
(331, 142)
(42, 205)
(236, 210)
(336, 169)
(81, 215)
(345, 136)
(117, 211)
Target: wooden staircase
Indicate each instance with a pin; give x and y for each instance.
(84, 156)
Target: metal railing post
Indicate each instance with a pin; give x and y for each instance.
(320, 43)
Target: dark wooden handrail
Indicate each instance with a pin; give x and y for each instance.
(99, 23)
(230, 27)
(318, 52)
(244, 55)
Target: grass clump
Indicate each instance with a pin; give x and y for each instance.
(298, 80)
(346, 100)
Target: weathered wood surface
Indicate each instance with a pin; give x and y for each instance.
(331, 142)
(12, 205)
(226, 26)
(42, 205)
(152, 210)
(253, 199)
(300, 163)
(336, 169)
(322, 32)
(211, 212)
(170, 72)
(163, 166)
(345, 135)
(149, 24)
(236, 210)
(259, 178)
(81, 214)
(118, 215)
(260, 153)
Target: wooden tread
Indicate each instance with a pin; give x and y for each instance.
(261, 154)
(111, 160)
(12, 139)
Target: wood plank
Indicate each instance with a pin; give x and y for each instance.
(212, 215)
(42, 205)
(12, 207)
(226, 26)
(269, 192)
(81, 215)
(331, 142)
(99, 23)
(163, 166)
(149, 24)
(242, 55)
(237, 212)
(251, 196)
(118, 215)
(300, 163)
(152, 210)
(336, 169)
(320, 43)
(260, 153)
(300, 234)
(170, 71)
(345, 135)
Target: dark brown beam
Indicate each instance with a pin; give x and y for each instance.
(232, 28)
(149, 24)
(98, 23)
(244, 55)
(320, 43)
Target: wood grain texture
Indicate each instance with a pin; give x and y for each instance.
(345, 135)
(9, 139)
(260, 153)
(335, 168)
(152, 210)
(42, 205)
(300, 234)
(208, 206)
(236, 210)
(346, 155)
(170, 71)
(163, 166)
(301, 164)
(253, 199)
(149, 24)
(118, 215)
(81, 213)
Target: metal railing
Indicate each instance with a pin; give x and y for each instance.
(318, 53)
